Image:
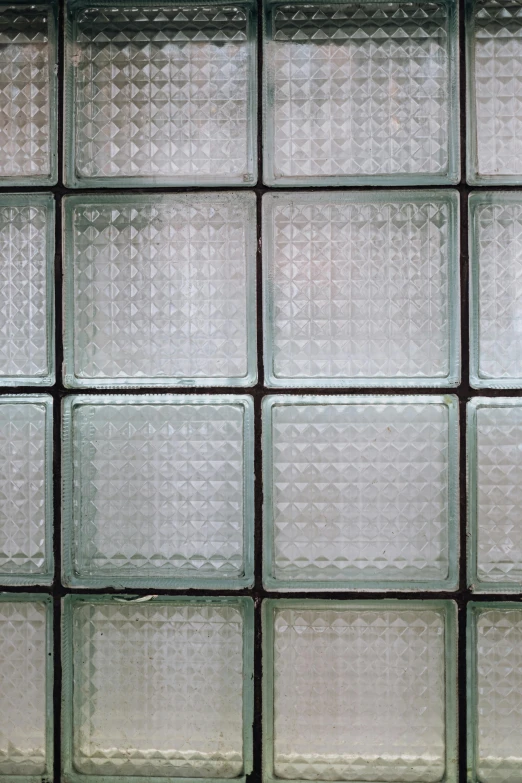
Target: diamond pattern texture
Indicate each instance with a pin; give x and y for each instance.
(359, 89)
(25, 64)
(499, 684)
(359, 695)
(161, 290)
(158, 690)
(22, 489)
(360, 492)
(22, 688)
(163, 92)
(359, 289)
(158, 490)
(498, 86)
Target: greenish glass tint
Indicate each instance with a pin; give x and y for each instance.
(26, 695)
(157, 688)
(361, 93)
(29, 88)
(359, 690)
(494, 685)
(158, 491)
(360, 493)
(160, 95)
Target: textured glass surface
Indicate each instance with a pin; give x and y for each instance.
(361, 289)
(496, 290)
(360, 492)
(495, 493)
(494, 688)
(26, 290)
(26, 506)
(161, 94)
(160, 290)
(494, 41)
(26, 687)
(158, 491)
(28, 93)
(361, 92)
(360, 691)
(158, 688)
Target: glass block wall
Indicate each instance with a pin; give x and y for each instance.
(260, 404)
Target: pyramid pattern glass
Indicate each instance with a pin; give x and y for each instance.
(359, 690)
(27, 290)
(26, 490)
(26, 694)
(495, 221)
(158, 491)
(28, 93)
(160, 290)
(361, 289)
(494, 69)
(360, 493)
(494, 686)
(361, 93)
(160, 95)
(160, 688)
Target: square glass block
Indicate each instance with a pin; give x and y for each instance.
(158, 491)
(495, 221)
(361, 289)
(359, 691)
(360, 493)
(28, 93)
(156, 689)
(26, 289)
(494, 70)
(26, 692)
(161, 94)
(495, 494)
(160, 290)
(494, 692)
(361, 92)
(26, 490)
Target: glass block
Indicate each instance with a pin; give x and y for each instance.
(361, 92)
(494, 692)
(28, 93)
(158, 491)
(494, 70)
(26, 692)
(361, 289)
(161, 94)
(160, 290)
(495, 221)
(26, 490)
(26, 289)
(159, 688)
(360, 493)
(359, 691)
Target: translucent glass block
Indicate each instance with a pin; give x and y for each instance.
(159, 688)
(361, 289)
(26, 490)
(158, 491)
(359, 691)
(28, 93)
(494, 692)
(494, 69)
(361, 92)
(26, 289)
(160, 290)
(26, 692)
(495, 222)
(360, 493)
(161, 94)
